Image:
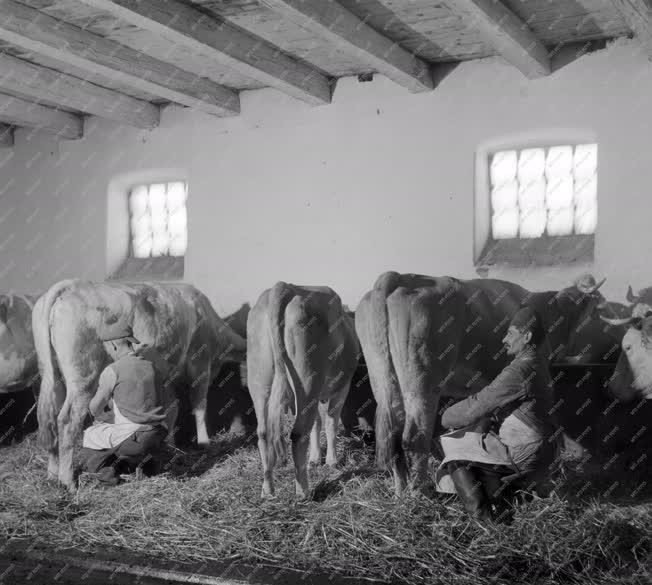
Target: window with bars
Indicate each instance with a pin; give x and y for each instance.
(551, 191)
(543, 204)
(157, 214)
(158, 231)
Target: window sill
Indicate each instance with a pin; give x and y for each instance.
(544, 251)
(161, 268)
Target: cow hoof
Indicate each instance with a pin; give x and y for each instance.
(314, 462)
(267, 495)
(331, 462)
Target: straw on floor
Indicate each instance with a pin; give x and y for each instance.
(207, 507)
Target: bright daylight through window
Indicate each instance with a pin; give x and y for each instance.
(544, 191)
(158, 220)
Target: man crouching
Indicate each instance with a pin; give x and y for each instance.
(128, 408)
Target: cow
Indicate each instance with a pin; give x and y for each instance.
(424, 337)
(301, 351)
(18, 366)
(632, 378)
(175, 319)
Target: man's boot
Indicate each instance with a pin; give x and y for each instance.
(471, 491)
(500, 493)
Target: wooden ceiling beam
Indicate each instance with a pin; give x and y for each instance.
(40, 33)
(344, 30)
(41, 83)
(506, 32)
(207, 36)
(6, 136)
(23, 113)
(638, 16)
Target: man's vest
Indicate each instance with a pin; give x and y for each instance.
(135, 390)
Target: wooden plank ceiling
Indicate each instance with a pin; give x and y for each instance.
(61, 60)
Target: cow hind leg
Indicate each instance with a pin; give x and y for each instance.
(417, 435)
(199, 410)
(49, 404)
(70, 423)
(200, 375)
(53, 464)
(260, 381)
(260, 395)
(315, 441)
(410, 346)
(333, 413)
(299, 437)
(303, 336)
(171, 416)
(372, 328)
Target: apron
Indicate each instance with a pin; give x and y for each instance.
(516, 446)
(104, 435)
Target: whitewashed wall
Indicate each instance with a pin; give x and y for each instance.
(380, 179)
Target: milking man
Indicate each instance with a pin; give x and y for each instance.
(500, 431)
(129, 426)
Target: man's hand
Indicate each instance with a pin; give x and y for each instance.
(105, 387)
(106, 415)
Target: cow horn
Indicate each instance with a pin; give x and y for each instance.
(626, 321)
(631, 297)
(590, 289)
(598, 285)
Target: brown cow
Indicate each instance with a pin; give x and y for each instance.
(424, 337)
(633, 376)
(301, 350)
(18, 365)
(176, 319)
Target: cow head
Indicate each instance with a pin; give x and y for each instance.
(640, 306)
(633, 375)
(570, 315)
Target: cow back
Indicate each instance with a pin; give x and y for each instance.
(175, 319)
(18, 364)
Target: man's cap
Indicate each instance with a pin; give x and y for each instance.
(525, 318)
(118, 331)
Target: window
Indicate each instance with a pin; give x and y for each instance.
(158, 231)
(543, 204)
(157, 216)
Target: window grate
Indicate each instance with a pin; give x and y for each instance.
(542, 192)
(158, 220)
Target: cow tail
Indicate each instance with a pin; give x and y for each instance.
(389, 446)
(281, 392)
(49, 401)
(371, 323)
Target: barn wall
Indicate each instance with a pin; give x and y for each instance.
(380, 179)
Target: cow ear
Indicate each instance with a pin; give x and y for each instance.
(631, 297)
(647, 327)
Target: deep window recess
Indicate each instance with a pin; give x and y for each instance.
(543, 205)
(158, 231)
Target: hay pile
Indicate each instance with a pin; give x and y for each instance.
(203, 511)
